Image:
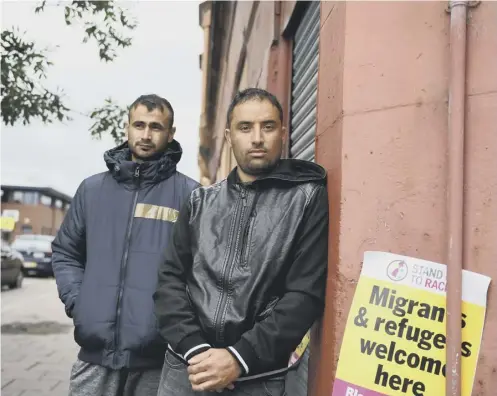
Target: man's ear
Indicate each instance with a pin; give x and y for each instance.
(171, 134)
(227, 135)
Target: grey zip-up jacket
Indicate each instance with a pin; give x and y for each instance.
(107, 253)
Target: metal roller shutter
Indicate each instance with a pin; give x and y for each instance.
(305, 84)
(303, 130)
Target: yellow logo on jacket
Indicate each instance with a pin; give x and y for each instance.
(156, 212)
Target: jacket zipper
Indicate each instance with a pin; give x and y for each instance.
(246, 241)
(225, 281)
(124, 263)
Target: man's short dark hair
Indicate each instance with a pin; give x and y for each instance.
(251, 94)
(152, 102)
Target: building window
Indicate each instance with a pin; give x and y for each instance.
(27, 229)
(46, 200)
(25, 197)
(17, 196)
(30, 198)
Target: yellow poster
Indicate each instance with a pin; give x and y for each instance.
(395, 337)
(7, 223)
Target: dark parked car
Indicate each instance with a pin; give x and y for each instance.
(12, 263)
(37, 253)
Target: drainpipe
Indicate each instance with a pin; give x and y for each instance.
(455, 192)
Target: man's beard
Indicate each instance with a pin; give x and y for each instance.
(158, 152)
(262, 169)
(152, 157)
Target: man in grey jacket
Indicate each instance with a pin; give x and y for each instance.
(107, 253)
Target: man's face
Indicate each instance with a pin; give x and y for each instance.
(148, 132)
(256, 137)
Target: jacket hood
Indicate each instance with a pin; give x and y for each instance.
(290, 170)
(122, 168)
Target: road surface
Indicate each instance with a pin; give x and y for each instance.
(37, 346)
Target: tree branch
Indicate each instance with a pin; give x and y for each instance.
(25, 67)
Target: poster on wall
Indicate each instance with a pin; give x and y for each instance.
(394, 341)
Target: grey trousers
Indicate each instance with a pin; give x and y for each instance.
(174, 382)
(92, 380)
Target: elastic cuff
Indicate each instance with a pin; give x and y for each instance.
(195, 351)
(239, 359)
(244, 354)
(191, 342)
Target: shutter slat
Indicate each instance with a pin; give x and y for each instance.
(303, 122)
(306, 60)
(308, 78)
(308, 25)
(306, 141)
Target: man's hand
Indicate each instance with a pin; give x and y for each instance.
(213, 370)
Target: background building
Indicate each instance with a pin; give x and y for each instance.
(39, 210)
(365, 88)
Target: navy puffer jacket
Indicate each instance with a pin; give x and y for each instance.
(107, 253)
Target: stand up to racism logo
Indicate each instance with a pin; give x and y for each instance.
(397, 270)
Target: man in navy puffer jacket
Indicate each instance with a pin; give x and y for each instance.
(107, 253)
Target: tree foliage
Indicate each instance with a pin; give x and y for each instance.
(102, 21)
(25, 67)
(23, 96)
(109, 119)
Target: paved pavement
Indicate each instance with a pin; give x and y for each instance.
(37, 343)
